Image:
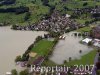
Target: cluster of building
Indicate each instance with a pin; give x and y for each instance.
(95, 37)
(95, 11)
(56, 23)
(95, 33)
(94, 42)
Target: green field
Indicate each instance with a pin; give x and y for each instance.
(43, 47)
(84, 29)
(38, 10)
(83, 21)
(85, 59)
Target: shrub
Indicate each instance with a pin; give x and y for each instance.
(18, 58)
(14, 72)
(65, 61)
(85, 4)
(90, 43)
(25, 72)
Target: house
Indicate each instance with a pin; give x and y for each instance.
(8, 73)
(67, 15)
(96, 12)
(23, 64)
(96, 42)
(95, 33)
(38, 61)
(86, 40)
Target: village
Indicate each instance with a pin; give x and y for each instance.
(55, 23)
(60, 24)
(64, 32)
(37, 58)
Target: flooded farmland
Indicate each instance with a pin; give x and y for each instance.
(69, 47)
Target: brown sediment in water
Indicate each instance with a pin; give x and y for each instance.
(12, 44)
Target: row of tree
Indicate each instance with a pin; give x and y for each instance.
(7, 2)
(17, 10)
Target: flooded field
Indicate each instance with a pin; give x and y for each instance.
(12, 44)
(70, 47)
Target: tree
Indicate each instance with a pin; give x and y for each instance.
(56, 40)
(79, 34)
(85, 4)
(18, 58)
(33, 1)
(14, 72)
(45, 2)
(25, 57)
(98, 72)
(65, 61)
(80, 51)
(27, 16)
(25, 72)
(38, 39)
(98, 50)
(89, 43)
(87, 22)
(75, 34)
(70, 58)
(54, 34)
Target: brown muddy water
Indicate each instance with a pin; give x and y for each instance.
(12, 44)
(69, 47)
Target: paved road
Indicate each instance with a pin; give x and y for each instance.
(95, 61)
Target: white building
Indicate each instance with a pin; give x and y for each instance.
(8, 73)
(67, 15)
(86, 40)
(96, 42)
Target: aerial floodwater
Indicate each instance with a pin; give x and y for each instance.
(12, 44)
(69, 47)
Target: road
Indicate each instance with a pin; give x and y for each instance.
(95, 61)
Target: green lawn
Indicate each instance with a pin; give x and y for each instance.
(43, 47)
(85, 29)
(12, 18)
(86, 59)
(82, 21)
